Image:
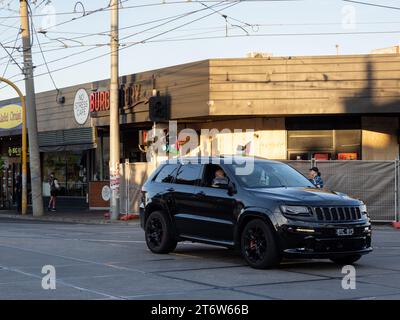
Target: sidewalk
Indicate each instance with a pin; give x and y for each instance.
(83, 216)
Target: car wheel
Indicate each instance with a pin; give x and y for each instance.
(346, 259)
(160, 237)
(258, 245)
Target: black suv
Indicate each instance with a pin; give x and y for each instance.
(266, 209)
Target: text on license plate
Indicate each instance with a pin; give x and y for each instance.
(345, 232)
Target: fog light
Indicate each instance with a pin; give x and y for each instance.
(307, 230)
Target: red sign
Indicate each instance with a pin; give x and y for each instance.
(347, 156)
(321, 156)
(100, 101)
(130, 95)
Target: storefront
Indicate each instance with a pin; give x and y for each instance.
(10, 151)
(325, 107)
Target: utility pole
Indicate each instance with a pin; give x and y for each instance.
(114, 112)
(36, 181)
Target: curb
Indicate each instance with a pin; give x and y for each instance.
(68, 220)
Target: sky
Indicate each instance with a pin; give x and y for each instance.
(154, 34)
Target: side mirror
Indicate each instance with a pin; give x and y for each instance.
(231, 188)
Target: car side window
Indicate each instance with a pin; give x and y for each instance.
(214, 177)
(189, 174)
(167, 174)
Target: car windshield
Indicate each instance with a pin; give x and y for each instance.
(273, 175)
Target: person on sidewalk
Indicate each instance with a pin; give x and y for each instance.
(54, 187)
(18, 192)
(315, 177)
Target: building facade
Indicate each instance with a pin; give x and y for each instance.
(324, 107)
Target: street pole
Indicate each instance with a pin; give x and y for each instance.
(24, 202)
(36, 184)
(114, 113)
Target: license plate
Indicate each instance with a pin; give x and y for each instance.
(345, 232)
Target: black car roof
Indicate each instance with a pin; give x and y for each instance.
(216, 160)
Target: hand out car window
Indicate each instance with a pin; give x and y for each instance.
(274, 175)
(167, 174)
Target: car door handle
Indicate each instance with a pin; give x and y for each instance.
(170, 190)
(200, 194)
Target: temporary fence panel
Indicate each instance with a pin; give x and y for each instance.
(133, 176)
(374, 182)
(303, 166)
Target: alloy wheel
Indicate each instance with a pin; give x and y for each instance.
(255, 244)
(154, 232)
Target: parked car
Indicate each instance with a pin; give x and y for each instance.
(269, 213)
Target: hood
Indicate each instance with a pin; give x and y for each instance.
(309, 196)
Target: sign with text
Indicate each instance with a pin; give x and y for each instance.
(10, 117)
(81, 106)
(130, 95)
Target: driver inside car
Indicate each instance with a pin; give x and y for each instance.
(220, 179)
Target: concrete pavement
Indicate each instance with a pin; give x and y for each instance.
(112, 262)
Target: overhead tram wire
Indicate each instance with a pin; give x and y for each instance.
(211, 29)
(372, 4)
(182, 15)
(43, 56)
(154, 27)
(234, 36)
(12, 52)
(106, 54)
(127, 45)
(108, 7)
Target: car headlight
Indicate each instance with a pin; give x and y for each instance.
(363, 208)
(295, 210)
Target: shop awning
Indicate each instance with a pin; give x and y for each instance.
(67, 140)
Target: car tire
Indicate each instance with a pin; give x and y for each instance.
(258, 245)
(346, 259)
(159, 233)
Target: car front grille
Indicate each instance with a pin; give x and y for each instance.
(337, 213)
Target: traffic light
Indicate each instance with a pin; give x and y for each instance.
(159, 108)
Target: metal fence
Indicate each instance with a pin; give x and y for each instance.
(133, 176)
(374, 182)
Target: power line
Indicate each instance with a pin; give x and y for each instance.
(12, 52)
(11, 57)
(279, 35)
(176, 18)
(43, 56)
(107, 32)
(372, 4)
(107, 8)
(143, 41)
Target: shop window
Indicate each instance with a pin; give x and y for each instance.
(310, 140)
(70, 168)
(324, 144)
(348, 142)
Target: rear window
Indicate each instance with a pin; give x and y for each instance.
(189, 174)
(166, 174)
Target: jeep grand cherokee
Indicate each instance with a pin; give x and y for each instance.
(269, 212)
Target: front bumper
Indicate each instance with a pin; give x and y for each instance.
(322, 241)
